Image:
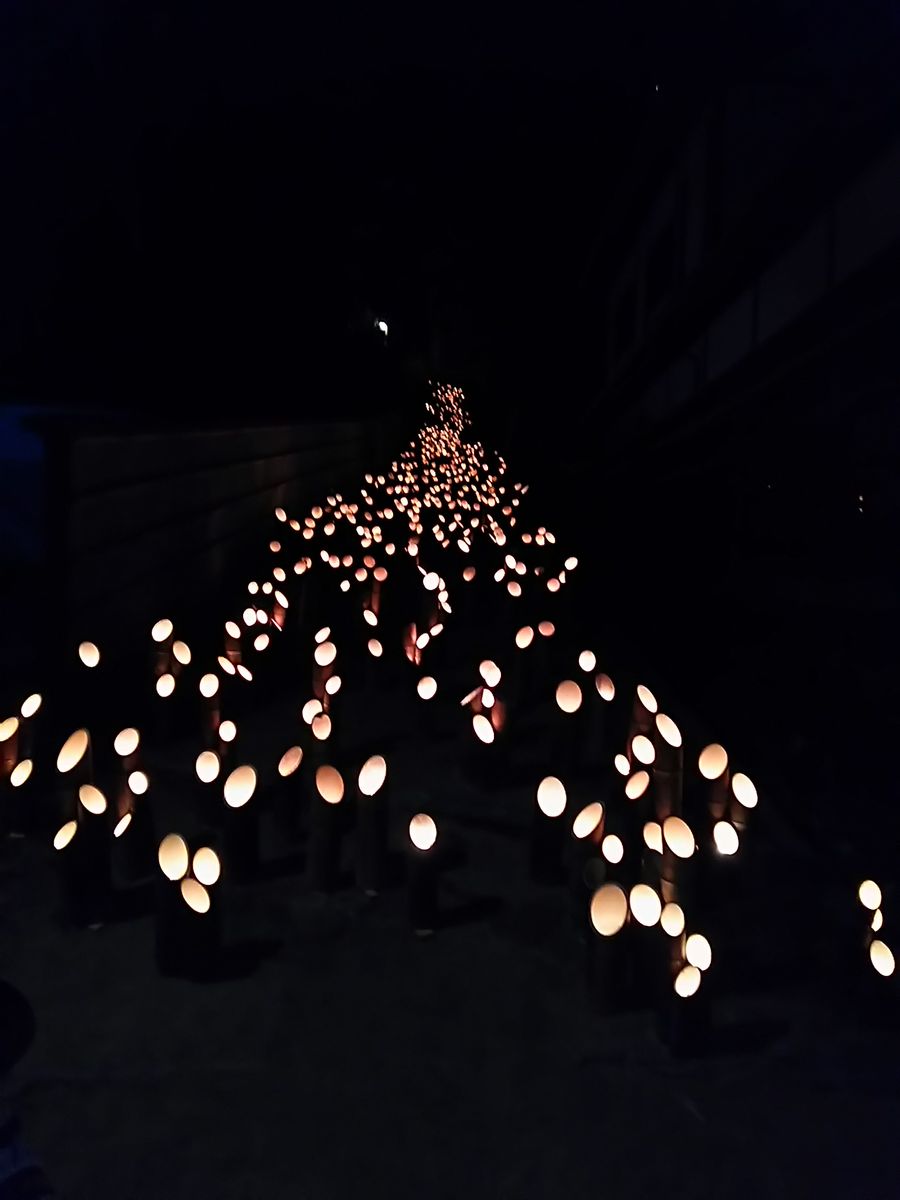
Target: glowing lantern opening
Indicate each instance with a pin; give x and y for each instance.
(122, 824)
(165, 685)
(546, 629)
(568, 696)
(427, 687)
(372, 775)
(881, 958)
(323, 634)
(587, 820)
(687, 981)
(744, 790)
(333, 685)
(182, 653)
(645, 905)
(93, 799)
(647, 698)
(642, 749)
(726, 838)
(490, 673)
(678, 837)
(668, 730)
(73, 750)
(713, 761)
(21, 772)
(240, 786)
(605, 687)
(226, 664)
(375, 648)
(484, 730)
(637, 784)
(321, 727)
(869, 894)
(195, 895)
(127, 741)
(653, 836)
(612, 848)
(207, 766)
(329, 784)
(325, 654)
(524, 637)
(698, 952)
(162, 629)
(422, 831)
(609, 909)
(310, 710)
(672, 920)
(31, 705)
(622, 765)
(89, 654)
(64, 835)
(290, 761)
(227, 731)
(877, 921)
(206, 866)
(587, 660)
(138, 783)
(173, 856)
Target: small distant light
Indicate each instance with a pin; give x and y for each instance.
(382, 327)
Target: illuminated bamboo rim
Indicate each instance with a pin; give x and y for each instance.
(551, 796)
(483, 729)
(487, 698)
(422, 831)
(726, 838)
(490, 673)
(653, 836)
(687, 981)
(375, 648)
(227, 731)
(622, 765)
(436, 630)
(713, 761)
(587, 660)
(249, 617)
(206, 866)
(240, 786)
(588, 820)
(698, 952)
(325, 654)
(514, 588)
(568, 696)
(642, 749)
(122, 824)
(138, 783)
(647, 698)
(612, 848)
(877, 920)
(321, 727)
(173, 856)
(162, 629)
(330, 784)
(678, 837)
(372, 775)
(30, 706)
(182, 653)
(290, 761)
(127, 741)
(245, 673)
(21, 772)
(260, 642)
(310, 710)
(646, 907)
(233, 629)
(380, 574)
(422, 640)
(165, 685)
(609, 909)
(226, 664)
(8, 728)
(605, 687)
(323, 635)
(369, 617)
(280, 514)
(546, 629)
(881, 957)
(195, 896)
(431, 581)
(64, 835)
(524, 637)
(668, 730)
(869, 894)
(252, 588)
(73, 751)
(333, 685)
(427, 687)
(469, 574)
(92, 799)
(744, 790)
(637, 784)
(672, 919)
(207, 766)
(89, 654)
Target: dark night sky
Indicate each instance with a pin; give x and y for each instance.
(205, 201)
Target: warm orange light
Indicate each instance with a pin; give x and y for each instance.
(182, 653)
(882, 958)
(232, 629)
(609, 909)
(122, 824)
(127, 741)
(726, 838)
(637, 784)
(431, 581)
(668, 730)
(73, 751)
(206, 866)
(744, 790)
(678, 837)
(245, 673)
(568, 696)
(330, 784)
(642, 749)
(647, 698)
(612, 848)
(325, 654)
(333, 685)
(290, 761)
(687, 981)
(622, 765)
(605, 687)
(653, 836)
(672, 920)
(469, 574)
(587, 660)
(877, 921)
(21, 772)
(227, 731)
(249, 617)
(546, 629)
(310, 709)
(173, 856)
(89, 654)
(261, 642)
(484, 730)
(240, 786)
(587, 820)
(31, 705)
(713, 761)
(93, 799)
(869, 894)
(64, 835)
(698, 952)
(551, 796)
(375, 648)
(645, 905)
(321, 727)
(427, 687)
(165, 685)
(226, 664)
(490, 673)
(372, 775)
(422, 831)
(524, 637)
(138, 783)
(162, 629)
(323, 634)
(207, 766)
(195, 895)
(369, 617)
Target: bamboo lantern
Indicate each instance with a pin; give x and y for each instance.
(326, 821)
(608, 962)
(187, 926)
(372, 826)
(713, 765)
(289, 791)
(422, 875)
(668, 768)
(209, 709)
(83, 850)
(548, 832)
(241, 825)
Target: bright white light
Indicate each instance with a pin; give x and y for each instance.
(382, 326)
